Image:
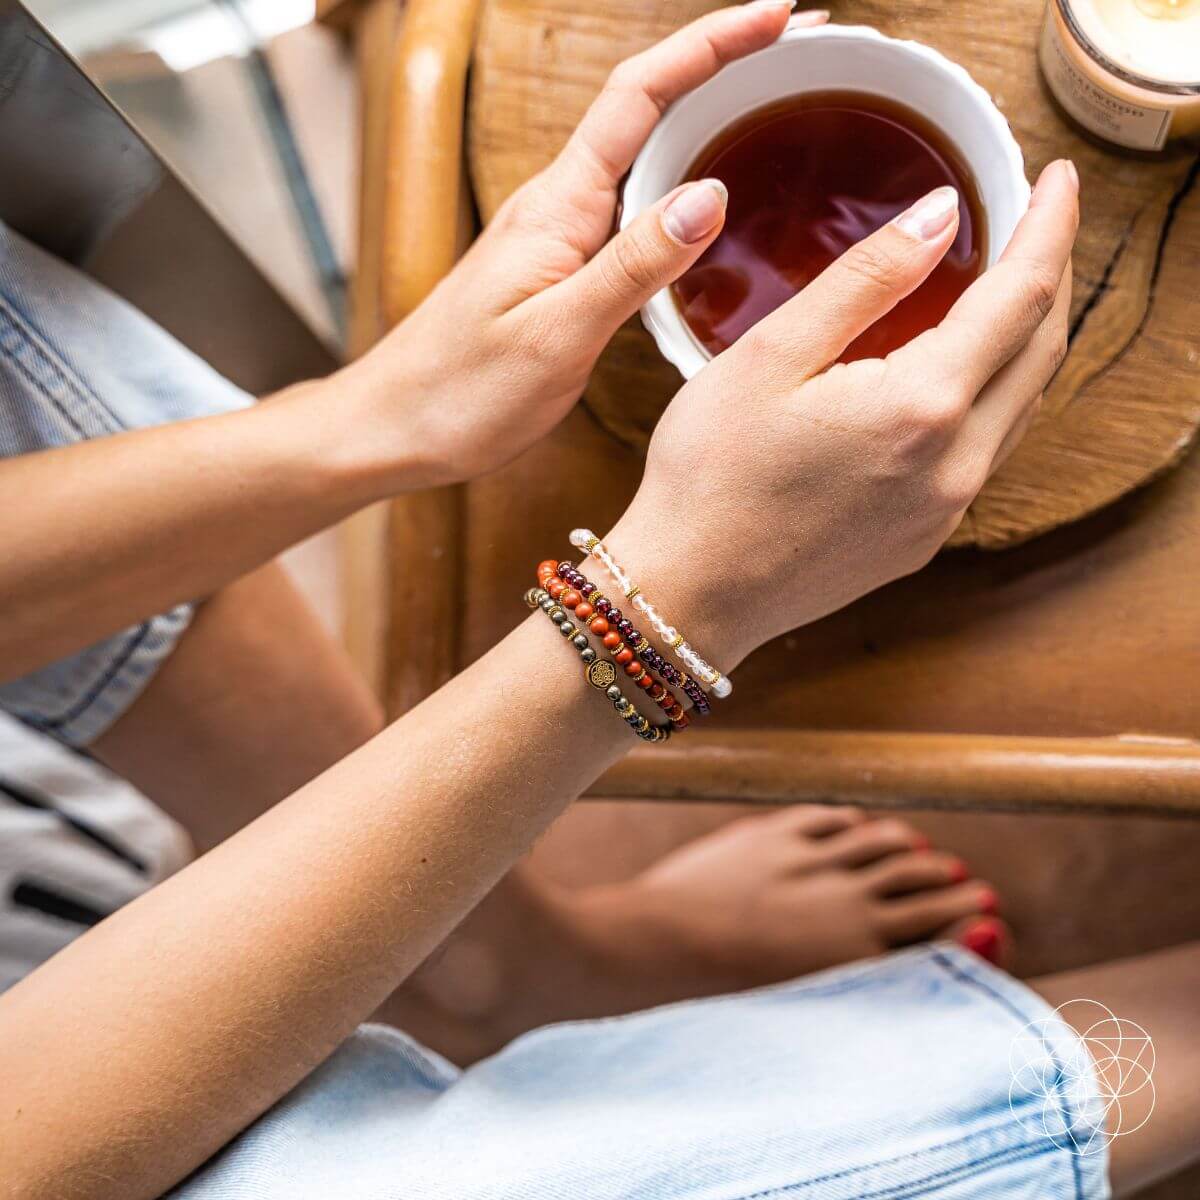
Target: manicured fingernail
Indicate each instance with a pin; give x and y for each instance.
(989, 901)
(810, 16)
(982, 938)
(788, 4)
(930, 215)
(921, 842)
(1072, 172)
(958, 871)
(696, 211)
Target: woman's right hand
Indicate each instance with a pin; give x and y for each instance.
(779, 488)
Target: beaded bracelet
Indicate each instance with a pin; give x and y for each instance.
(600, 673)
(589, 543)
(624, 627)
(574, 591)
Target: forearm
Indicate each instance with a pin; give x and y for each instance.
(148, 1043)
(108, 532)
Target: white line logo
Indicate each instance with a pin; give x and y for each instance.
(1082, 1077)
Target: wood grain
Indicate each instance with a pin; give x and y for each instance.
(1125, 407)
(1139, 777)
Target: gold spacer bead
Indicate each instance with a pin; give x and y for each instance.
(592, 543)
(633, 591)
(677, 641)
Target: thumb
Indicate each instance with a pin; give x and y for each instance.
(651, 252)
(814, 328)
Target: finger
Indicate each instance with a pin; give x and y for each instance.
(1002, 309)
(814, 328)
(640, 260)
(640, 89)
(1008, 399)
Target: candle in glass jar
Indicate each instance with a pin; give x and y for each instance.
(1126, 70)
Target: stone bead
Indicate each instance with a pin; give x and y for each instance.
(580, 640)
(598, 625)
(722, 688)
(624, 657)
(548, 567)
(625, 627)
(567, 629)
(588, 655)
(583, 610)
(613, 693)
(645, 682)
(571, 598)
(612, 640)
(657, 692)
(635, 670)
(556, 587)
(603, 606)
(563, 567)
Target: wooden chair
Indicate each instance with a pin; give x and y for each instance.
(1060, 674)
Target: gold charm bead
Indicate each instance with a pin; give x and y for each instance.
(601, 674)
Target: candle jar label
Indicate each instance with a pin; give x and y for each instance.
(1118, 120)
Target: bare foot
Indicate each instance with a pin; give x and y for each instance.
(763, 899)
(773, 897)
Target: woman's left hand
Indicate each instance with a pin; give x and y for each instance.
(502, 348)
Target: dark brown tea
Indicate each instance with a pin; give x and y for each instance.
(807, 178)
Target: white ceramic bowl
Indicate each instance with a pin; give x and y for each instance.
(849, 57)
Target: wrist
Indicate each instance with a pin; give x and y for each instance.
(669, 569)
(377, 443)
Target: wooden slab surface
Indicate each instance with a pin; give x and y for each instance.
(1126, 405)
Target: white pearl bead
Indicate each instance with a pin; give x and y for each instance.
(581, 537)
(722, 688)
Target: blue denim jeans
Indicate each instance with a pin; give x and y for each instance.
(77, 362)
(880, 1081)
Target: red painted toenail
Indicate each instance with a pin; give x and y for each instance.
(983, 938)
(959, 872)
(989, 902)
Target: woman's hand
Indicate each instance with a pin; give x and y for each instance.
(500, 351)
(779, 488)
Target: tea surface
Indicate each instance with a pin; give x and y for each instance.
(807, 178)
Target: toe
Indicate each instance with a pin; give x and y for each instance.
(914, 871)
(929, 914)
(989, 937)
(869, 842)
(816, 820)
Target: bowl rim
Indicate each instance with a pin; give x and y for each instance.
(660, 315)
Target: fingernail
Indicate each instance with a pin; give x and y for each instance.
(811, 16)
(989, 902)
(930, 215)
(1072, 173)
(982, 938)
(788, 4)
(959, 872)
(696, 211)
